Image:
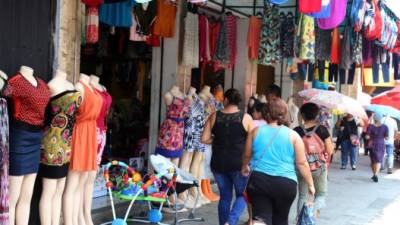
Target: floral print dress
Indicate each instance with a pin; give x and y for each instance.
(269, 52)
(170, 137)
(4, 149)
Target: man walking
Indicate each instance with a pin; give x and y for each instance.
(389, 142)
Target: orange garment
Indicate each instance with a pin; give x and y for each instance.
(84, 136)
(164, 25)
(335, 47)
(253, 37)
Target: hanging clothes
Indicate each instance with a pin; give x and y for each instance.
(92, 3)
(306, 33)
(222, 50)
(345, 58)
(92, 25)
(357, 14)
(287, 36)
(4, 163)
(335, 47)
(253, 37)
(133, 35)
(117, 14)
(356, 51)
(145, 17)
(214, 30)
(231, 33)
(190, 53)
(269, 52)
(164, 25)
(325, 10)
(204, 39)
(336, 17)
(310, 6)
(323, 40)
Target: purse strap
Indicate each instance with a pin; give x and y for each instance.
(262, 155)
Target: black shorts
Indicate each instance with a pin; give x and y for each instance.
(54, 172)
(271, 198)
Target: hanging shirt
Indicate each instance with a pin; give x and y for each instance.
(253, 37)
(117, 14)
(164, 25)
(325, 11)
(307, 38)
(335, 47)
(310, 6)
(269, 52)
(92, 25)
(145, 17)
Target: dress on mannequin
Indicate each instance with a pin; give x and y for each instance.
(56, 152)
(84, 139)
(101, 123)
(4, 151)
(194, 126)
(170, 137)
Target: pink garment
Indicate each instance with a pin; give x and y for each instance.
(92, 25)
(337, 15)
(101, 123)
(258, 123)
(134, 36)
(204, 41)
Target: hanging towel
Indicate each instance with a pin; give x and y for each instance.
(336, 17)
(325, 10)
(310, 6)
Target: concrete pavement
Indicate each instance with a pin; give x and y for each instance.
(353, 200)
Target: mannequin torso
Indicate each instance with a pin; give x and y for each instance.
(85, 79)
(27, 73)
(174, 92)
(60, 84)
(95, 82)
(3, 78)
(192, 94)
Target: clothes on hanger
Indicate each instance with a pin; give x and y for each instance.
(190, 52)
(164, 25)
(269, 52)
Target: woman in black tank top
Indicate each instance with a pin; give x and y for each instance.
(226, 130)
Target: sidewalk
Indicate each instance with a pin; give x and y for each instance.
(353, 200)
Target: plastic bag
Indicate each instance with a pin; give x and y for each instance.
(306, 216)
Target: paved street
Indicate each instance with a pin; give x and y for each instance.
(353, 200)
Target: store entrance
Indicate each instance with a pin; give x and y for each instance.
(265, 78)
(124, 69)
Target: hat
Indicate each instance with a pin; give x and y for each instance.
(378, 117)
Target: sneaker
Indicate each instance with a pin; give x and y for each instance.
(343, 168)
(390, 171)
(353, 168)
(375, 178)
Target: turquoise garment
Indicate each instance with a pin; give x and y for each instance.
(279, 159)
(117, 14)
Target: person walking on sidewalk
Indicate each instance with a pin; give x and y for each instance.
(377, 133)
(349, 137)
(226, 130)
(389, 143)
(273, 151)
(317, 136)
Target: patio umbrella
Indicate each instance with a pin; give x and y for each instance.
(334, 101)
(389, 98)
(364, 99)
(384, 110)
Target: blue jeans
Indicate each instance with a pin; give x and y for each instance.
(385, 70)
(389, 157)
(226, 183)
(349, 150)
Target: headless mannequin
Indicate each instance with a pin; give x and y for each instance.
(169, 97)
(75, 191)
(2, 81)
(21, 187)
(205, 94)
(262, 98)
(53, 189)
(192, 162)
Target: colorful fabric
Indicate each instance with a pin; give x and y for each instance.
(310, 6)
(204, 41)
(287, 36)
(269, 52)
(194, 126)
(57, 136)
(170, 136)
(164, 25)
(306, 33)
(101, 143)
(145, 17)
(357, 14)
(29, 102)
(336, 17)
(335, 47)
(133, 35)
(345, 58)
(253, 37)
(323, 40)
(117, 14)
(356, 52)
(190, 53)
(4, 154)
(92, 25)
(325, 10)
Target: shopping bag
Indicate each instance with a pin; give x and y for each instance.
(306, 216)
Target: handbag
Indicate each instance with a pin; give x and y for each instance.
(246, 197)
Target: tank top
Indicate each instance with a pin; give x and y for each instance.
(228, 143)
(279, 158)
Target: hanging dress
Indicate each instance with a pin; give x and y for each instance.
(170, 137)
(101, 124)
(253, 37)
(190, 54)
(164, 25)
(57, 137)
(4, 151)
(269, 52)
(194, 126)
(306, 33)
(84, 136)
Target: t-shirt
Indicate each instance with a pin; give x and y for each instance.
(392, 126)
(321, 131)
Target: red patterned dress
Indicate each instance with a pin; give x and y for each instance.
(170, 137)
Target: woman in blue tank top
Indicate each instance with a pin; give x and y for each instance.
(274, 151)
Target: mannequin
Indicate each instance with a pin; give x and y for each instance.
(66, 98)
(83, 155)
(25, 139)
(262, 98)
(177, 111)
(192, 157)
(3, 78)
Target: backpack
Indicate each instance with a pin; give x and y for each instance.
(315, 149)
